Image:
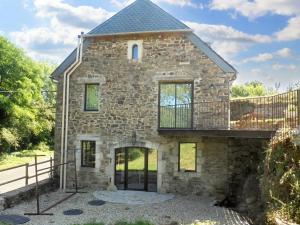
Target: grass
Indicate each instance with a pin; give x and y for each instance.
(138, 164)
(8, 160)
(187, 156)
(187, 161)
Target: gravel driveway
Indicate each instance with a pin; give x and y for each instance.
(181, 209)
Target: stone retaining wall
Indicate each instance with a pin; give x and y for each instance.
(12, 198)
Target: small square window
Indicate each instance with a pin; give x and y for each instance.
(187, 157)
(91, 102)
(88, 151)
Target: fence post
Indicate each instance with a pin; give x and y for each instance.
(51, 168)
(37, 186)
(298, 108)
(26, 173)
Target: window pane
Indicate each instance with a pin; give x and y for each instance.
(135, 52)
(183, 93)
(175, 105)
(187, 152)
(184, 107)
(167, 105)
(92, 97)
(88, 150)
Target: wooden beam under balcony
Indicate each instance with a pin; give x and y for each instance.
(260, 134)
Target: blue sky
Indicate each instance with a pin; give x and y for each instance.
(261, 38)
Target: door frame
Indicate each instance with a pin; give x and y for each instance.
(146, 168)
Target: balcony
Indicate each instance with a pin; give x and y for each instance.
(260, 116)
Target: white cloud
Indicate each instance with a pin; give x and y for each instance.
(122, 3)
(260, 58)
(182, 3)
(227, 41)
(284, 53)
(65, 21)
(263, 57)
(291, 31)
(257, 8)
(81, 16)
(278, 66)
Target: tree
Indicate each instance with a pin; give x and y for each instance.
(26, 114)
(251, 89)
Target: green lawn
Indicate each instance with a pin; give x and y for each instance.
(187, 156)
(138, 164)
(187, 161)
(18, 158)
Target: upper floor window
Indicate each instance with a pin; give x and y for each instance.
(88, 152)
(91, 102)
(176, 105)
(135, 52)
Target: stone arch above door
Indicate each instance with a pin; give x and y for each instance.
(146, 144)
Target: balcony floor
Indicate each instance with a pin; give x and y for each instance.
(262, 134)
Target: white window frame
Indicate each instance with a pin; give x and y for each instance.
(130, 44)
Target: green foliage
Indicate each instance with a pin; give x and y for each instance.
(206, 222)
(251, 89)
(26, 111)
(139, 222)
(281, 181)
(8, 160)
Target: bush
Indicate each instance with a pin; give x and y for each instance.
(281, 181)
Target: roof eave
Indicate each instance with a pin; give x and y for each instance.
(138, 32)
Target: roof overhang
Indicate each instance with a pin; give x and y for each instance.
(138, 32)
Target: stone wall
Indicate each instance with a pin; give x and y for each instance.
(12, 198)
(223, 166)
(129, 108)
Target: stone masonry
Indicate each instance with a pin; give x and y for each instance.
(129, 107)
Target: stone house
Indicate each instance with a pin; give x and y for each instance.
(143, 103)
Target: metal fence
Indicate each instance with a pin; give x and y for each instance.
(27, 174)
(260, 113)
(266, 113)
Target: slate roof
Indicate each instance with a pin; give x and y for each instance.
(139, 17)
(143, 16)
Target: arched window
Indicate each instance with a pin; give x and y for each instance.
(135, 52)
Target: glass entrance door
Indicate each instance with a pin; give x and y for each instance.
(136, 172)
(136, 169)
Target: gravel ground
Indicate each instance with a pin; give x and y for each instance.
(132, 197)
(182, 209)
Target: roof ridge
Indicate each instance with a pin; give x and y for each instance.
(147, 4)
(174, 18)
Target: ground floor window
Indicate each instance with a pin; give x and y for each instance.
(88, 151)
(187, 157)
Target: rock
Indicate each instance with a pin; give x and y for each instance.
(296, 139)
(2, 202)
(173, 223)
(251, 200)
(112, 187)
